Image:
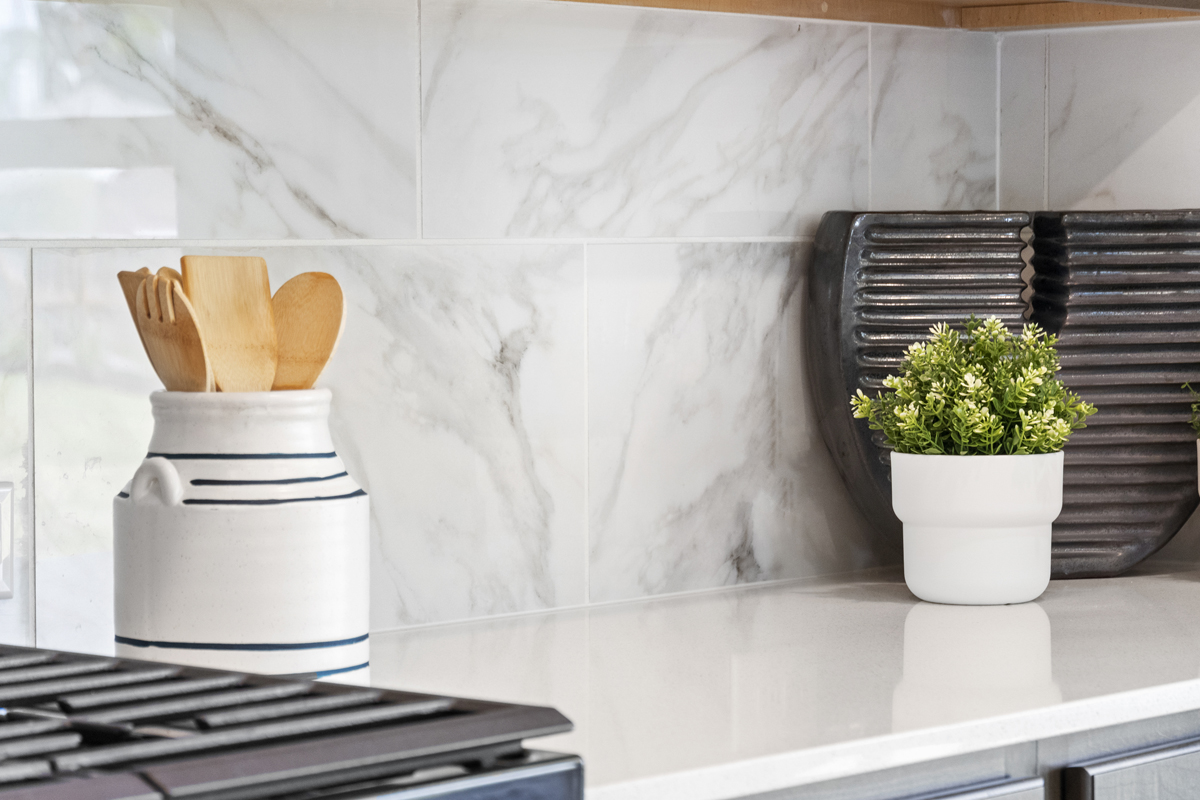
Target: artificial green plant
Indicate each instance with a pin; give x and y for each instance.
(985, 392)
(1195, 409)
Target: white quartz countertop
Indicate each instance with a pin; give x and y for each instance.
(748, 690)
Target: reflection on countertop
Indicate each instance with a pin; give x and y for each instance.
(818, 679)
(970, 662)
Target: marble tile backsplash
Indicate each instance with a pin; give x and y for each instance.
(706, 467)
(574, 239)
(200, 119)
(933, 123)
(1119, 108)
(551, 119)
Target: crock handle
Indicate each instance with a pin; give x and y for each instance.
(156, 481)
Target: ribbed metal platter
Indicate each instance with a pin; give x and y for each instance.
(1122, 289)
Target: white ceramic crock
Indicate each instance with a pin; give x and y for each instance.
(977, 528)
(242, 543)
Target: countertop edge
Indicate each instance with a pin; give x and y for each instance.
(830, 762)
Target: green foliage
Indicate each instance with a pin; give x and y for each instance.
(1195, 408)
(984, 393)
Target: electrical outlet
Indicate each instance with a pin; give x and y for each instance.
(6, 540)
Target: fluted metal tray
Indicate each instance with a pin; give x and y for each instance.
(1122, 291)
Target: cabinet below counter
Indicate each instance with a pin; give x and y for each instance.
(847, 688)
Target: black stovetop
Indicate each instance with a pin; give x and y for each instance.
(78, 727)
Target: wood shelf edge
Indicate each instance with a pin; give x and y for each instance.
(890, 12)
(928, 14)
(1062, 15)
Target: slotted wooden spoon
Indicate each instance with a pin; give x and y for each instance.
(310, 315)
(131, 282)
(232, 300)
(171, 336)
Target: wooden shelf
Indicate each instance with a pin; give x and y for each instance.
(982, 15)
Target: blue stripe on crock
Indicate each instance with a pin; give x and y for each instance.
(271, 502)
(236, 456)
(329, 672)
(279, 482)
(122, 494)
(224, 646)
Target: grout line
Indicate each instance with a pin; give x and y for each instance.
(870, 118)
(31, 533)
(225, 244)
(999, 84)
(1046, 125)
(420, 155)
(587, 427)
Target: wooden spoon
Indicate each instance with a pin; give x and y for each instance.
(310, 315)
(232, 300)
(172, 338)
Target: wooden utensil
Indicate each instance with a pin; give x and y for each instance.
(310, 315)
(171, 335)
(232, 300)
(130, 283)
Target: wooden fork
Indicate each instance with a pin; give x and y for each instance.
(172, 336)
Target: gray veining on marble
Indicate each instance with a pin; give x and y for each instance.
(199, 119)
(552, 119)
(16, 614)
(933, 126)
(1113, 143)
(458, 405)
(705, 464)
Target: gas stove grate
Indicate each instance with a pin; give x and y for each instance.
(77, 727)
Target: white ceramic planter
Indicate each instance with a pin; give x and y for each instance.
(977, 528)
(242, 543)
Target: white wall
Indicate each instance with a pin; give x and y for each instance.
(574, 238)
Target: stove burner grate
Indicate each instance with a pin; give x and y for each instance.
(78, 727)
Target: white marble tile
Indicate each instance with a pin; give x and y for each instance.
(459, 392)
(1022, 121)
(208, 119)
(458, 404)
(16, 613)
(567, 119)
(706, 465)
(933, 125)
(1124, 115)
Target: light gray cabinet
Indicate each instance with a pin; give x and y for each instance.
(1031, 789)
(1168, 772)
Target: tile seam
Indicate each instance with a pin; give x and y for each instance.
(420, 122)
(31, 533)
(215, 244)
(587, 427)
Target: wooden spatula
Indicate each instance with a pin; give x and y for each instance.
(232, 300)
(310, 314)
(173, 340)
